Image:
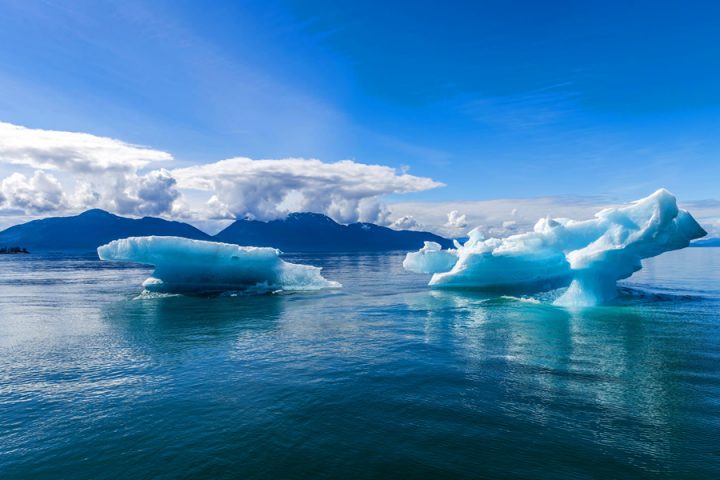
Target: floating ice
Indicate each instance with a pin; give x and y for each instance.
(590, 256)
(430, 259)
(195, 266)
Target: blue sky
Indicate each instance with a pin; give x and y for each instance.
(492, 99)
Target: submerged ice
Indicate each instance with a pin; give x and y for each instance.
(588, 256)
(194, 266)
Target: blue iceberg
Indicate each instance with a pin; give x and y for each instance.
(588, 256)
(200, 267)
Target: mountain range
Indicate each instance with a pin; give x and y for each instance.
(319, 233)
(298, 232)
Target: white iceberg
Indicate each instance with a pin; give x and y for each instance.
(589, 256)
(199, 267)
(430, 259)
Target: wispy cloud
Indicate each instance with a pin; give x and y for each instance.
(527, 110)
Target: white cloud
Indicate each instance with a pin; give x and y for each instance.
(345, 190)
(490, 215)
(40, 193)
(89, 171)
(373, 210)
(505, 229)
(456, 220)
(149, 194)
(153, 193)
(406, 222)
(71, 151)
(103, 171)
(503, 217)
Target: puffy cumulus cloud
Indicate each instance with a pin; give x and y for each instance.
(406, 222)
(456, 220)
(505, 229)
(72, 151)
(372, 210)
(151, 194)
(40, 193)
(495, 217)
(90, 171)
(264, 189)
(103, 171)
(157, 191)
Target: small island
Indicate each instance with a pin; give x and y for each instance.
(12, 250)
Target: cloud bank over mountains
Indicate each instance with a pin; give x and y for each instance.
(346, 190)
(46, 172)
(68, 171)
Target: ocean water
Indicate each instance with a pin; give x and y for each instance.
(382, 379)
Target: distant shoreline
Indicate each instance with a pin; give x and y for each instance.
(13, 250)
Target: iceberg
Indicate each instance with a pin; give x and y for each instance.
(588, 256)
(430, 259)
(188, 266)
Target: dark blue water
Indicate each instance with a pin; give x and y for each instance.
(382, 379)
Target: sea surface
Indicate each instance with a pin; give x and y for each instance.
(384, 378)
